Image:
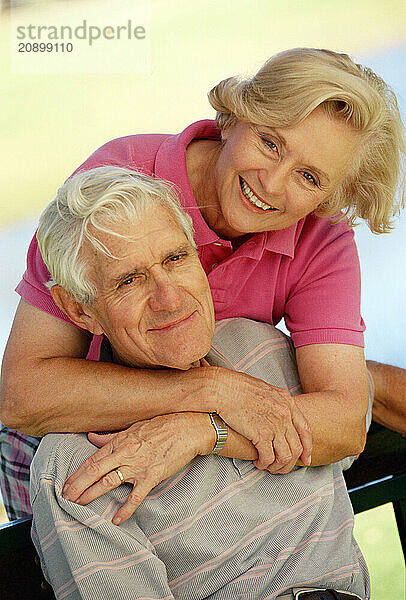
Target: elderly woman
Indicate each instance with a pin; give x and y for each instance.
(295, 155)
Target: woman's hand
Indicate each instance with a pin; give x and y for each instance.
(266, 415)
(146, 453)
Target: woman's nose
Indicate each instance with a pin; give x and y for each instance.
(273, 181)
(165, 295)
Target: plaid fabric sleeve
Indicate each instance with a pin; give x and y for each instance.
(16, 453)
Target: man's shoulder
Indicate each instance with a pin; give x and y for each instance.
(257, 349)
(243, 327)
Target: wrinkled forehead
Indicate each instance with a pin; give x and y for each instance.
(135, 244)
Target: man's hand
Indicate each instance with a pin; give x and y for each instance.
(146, 453)
(266, 415)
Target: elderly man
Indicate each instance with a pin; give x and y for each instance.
(197, 519)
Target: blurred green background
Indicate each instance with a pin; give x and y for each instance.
(50, 123)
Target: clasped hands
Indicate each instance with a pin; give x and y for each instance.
(152, 450)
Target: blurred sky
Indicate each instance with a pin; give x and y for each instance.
(51, 122)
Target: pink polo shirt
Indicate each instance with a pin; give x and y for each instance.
(308, 273)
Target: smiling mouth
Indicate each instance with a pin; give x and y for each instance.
(173, 324)
(250, 195)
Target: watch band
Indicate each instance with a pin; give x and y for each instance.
(221, 431)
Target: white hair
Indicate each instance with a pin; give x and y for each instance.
(98, 199)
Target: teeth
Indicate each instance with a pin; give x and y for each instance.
(249, 194)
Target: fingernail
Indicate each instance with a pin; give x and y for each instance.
(65, 491)
(117, 520)
(309, 461)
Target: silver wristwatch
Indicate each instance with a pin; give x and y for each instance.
(221, 431)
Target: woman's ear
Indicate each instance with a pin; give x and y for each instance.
(225, 132)
(80, 314)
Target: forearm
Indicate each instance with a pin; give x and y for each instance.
(48, 386)
(145, 454)
(337, 430)
(105, 396)
(236, 446)
(389, 407)
(337, 423)
(74, 395)
(334, 400)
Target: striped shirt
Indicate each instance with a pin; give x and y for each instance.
(219, 529)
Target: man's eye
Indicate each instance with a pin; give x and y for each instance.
(128, 281)
(176, 257)
(309, 177)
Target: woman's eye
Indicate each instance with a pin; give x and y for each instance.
(271, 145)
(309, 177)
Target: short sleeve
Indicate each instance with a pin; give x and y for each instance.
(32, 286)
(323, 302)
(135, 151)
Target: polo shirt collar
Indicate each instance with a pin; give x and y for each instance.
(170, 164)
(282, 241)
(279, 242)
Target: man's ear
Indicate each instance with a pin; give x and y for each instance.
(80, 314)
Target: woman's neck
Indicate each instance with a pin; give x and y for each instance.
(201, 158)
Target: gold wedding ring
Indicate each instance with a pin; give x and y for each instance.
(119, 473)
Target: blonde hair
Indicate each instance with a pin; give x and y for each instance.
(290, 85)
(97, 200)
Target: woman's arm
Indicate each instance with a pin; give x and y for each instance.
(335, 399)
(48, 387)
(389, 408)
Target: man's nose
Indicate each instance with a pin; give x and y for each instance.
(274, 181)
(165, 294)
